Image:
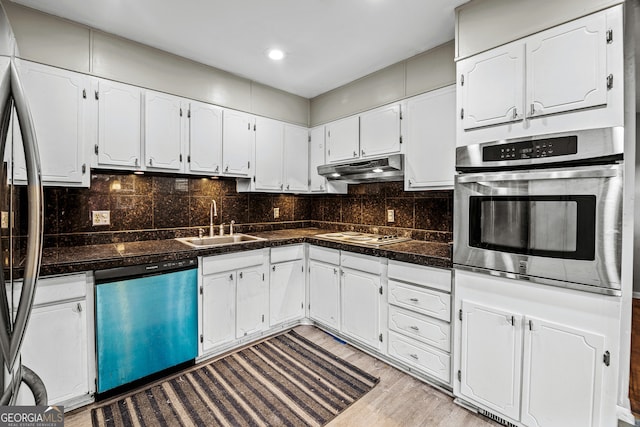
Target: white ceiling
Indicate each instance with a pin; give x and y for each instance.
(328, 42)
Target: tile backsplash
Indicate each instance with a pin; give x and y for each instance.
(148, 207)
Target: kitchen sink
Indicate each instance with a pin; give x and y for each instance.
(207, 242)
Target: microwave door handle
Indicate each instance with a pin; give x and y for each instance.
(602, 172)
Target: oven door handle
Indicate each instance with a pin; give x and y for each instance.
(600, 172)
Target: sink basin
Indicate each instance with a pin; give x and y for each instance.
(207, 242)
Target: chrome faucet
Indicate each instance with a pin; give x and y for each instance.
(213, 211)
(231, 227)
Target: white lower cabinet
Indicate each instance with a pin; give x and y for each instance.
(361, 299)
(536, 355)
(324, 286)
(286, 284)
(234, 299)
(419, 319)
(58, 340)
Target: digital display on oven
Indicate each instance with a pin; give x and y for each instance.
(550, 147)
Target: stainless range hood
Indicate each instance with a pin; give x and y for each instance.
(387, 168)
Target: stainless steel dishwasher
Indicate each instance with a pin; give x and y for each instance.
(146, 322)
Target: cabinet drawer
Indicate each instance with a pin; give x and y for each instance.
(287, 253)
(330, 256)
(429, 360)
(436, 278)
(436, 333)
(220, 263)
(54, 289)
(361, 262)
(422, 300)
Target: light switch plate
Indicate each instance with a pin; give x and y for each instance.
(276, 213)
(101, 217)
(5, 219)
(391, 215)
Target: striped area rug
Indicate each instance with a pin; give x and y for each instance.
(284, 381)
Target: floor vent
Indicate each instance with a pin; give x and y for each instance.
(496, 418)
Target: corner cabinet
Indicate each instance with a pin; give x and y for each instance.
(560, 79)
(517, 339)
(59, 104)
(430, 141)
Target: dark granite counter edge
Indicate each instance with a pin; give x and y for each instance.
(52, 267)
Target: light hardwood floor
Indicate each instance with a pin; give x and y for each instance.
(397, 400)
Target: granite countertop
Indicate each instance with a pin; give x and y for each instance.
(98, 257)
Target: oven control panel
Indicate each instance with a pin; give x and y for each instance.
(533, 149)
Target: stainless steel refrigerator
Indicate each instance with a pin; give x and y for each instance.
(21, 225)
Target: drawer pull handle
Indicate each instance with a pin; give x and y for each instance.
(413, 355)
(413, 299)
(415, 328)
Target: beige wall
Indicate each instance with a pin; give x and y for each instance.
(485, 24)
(428, 71)
(50, 40)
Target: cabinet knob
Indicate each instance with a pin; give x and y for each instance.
(241, 274)
(335, 271)
(137, 161)
(533, 109)
(355, 153)
(226, 169)
(413, 299)
(281, 185)
(79, 307)
(515, 113)
(362, 151)
(217, 168)
(150, 162)
(415, 328)
(287, 186)
(273, 268)
(231, 276)
(414, 356)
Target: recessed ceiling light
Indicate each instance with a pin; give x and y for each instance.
(275, 54)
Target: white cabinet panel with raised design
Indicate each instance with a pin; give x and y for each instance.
(324, 293)
(238, 136)
(318, 183)
(164, 132)
(218, 310)
(296, 155)
(360, 307)
(269, 154)
(286, 292)
(119, 125)
(380, 131)
(204, 153)
(430, 141)
(252, 299)
(58, 101)
(343, 139)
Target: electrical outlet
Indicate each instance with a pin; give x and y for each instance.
(101, 217)
(391, 215)
(5, 219)
(276, 213)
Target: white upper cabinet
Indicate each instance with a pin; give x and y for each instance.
(567, 68)
(380, 131)
(164, 132)
(491, 87)
(269, 154)
(316, 158)
(119, 129)
(566, 78)
(430, 141)
(205, 138)
(343, 139)
(238, 135)
(296, 158)
(58, 102)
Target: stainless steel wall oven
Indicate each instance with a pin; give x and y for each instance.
(546, 209)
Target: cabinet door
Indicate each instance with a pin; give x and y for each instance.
(252, 299)
(56, 348)
(286, 292)
(218, 310)
(490, 359)
(205, 138)
(58, 101)
(566, 67)
(237, 142)
(343, 139)
(492, 87)
(324, 293)
(360, 297)
(430, 142)
(553, 351)
(269, 152)
(380, 131)
(119, 125)
(163, 131)
(296, 158)
(316, 158)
